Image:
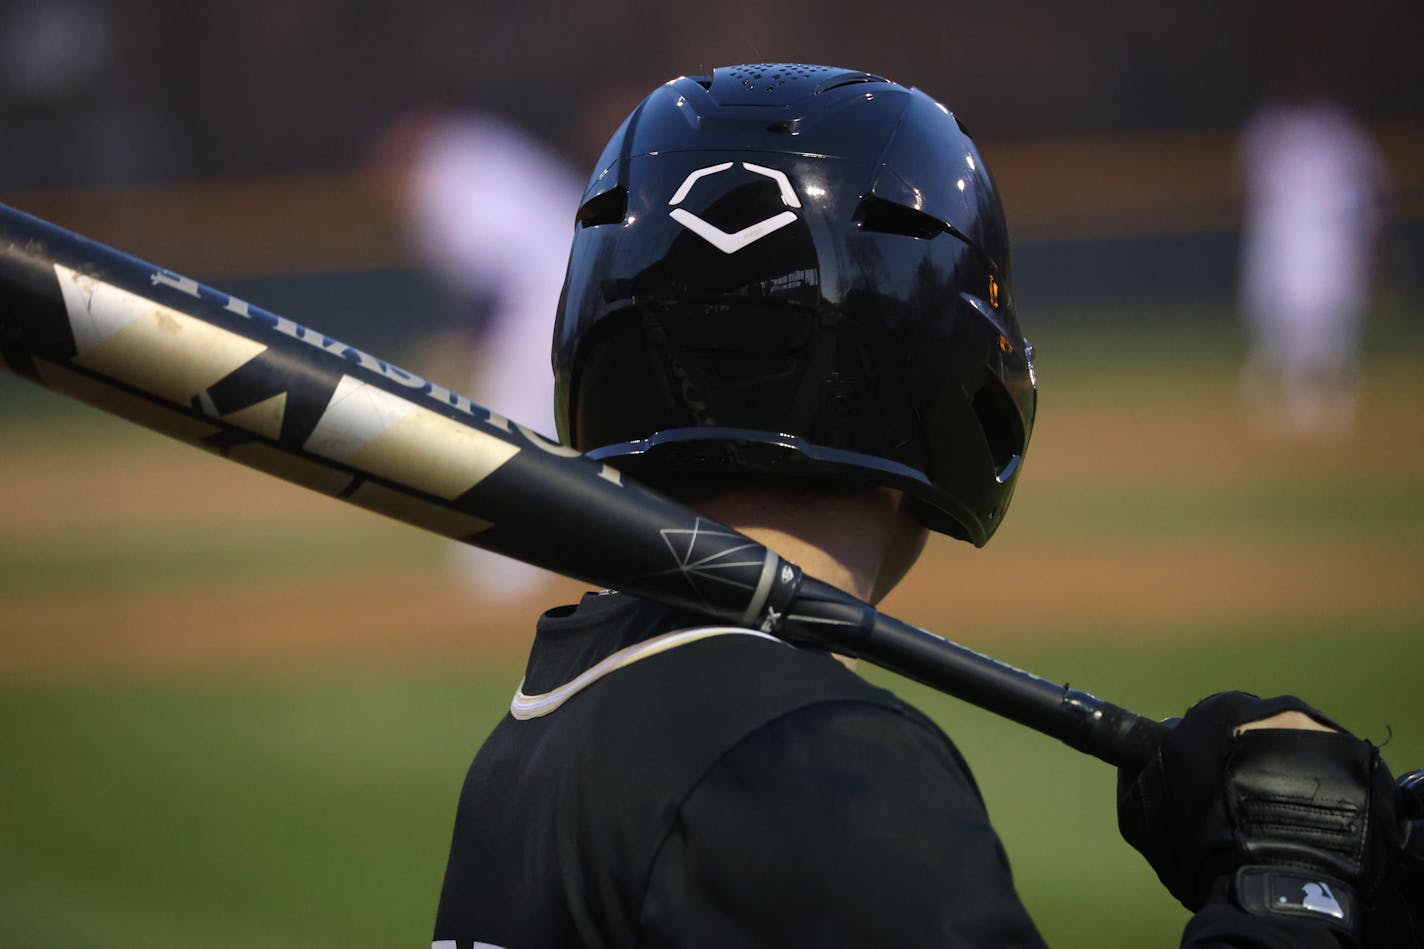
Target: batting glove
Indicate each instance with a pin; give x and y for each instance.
(1281, 822)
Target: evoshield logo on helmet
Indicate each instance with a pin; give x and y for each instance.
(714, 235)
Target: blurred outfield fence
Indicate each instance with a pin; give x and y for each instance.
(1102, 222)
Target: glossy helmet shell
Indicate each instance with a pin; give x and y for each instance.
(799, 271)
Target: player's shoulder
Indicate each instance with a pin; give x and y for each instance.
(736, 675)
(683, 694)
(613, 654)
(689, 704)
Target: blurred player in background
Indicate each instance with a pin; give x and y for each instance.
(488, 211)
(1313, 181)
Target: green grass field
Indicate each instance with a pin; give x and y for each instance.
(235, 714)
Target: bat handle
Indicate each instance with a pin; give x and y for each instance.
(1118, 736)
(821, 615)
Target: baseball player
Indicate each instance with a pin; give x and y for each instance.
(490, 239)
(789, 303)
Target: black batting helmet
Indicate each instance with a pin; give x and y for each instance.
(802, 271)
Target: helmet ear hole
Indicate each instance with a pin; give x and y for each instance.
(1003, 429)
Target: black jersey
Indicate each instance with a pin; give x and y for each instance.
(660, 783)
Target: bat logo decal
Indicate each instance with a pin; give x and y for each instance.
(710, 559)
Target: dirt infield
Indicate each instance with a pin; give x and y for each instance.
(419, 618)
(367, 619)
(146, 558)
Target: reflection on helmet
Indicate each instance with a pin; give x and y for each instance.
(802, 271)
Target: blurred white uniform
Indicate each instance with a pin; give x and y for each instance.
(491, 212)
(1312, 180)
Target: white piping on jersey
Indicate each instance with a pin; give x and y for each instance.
(524, 707)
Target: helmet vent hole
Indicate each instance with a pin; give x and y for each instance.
(853, 80)
(771, 77)
(887, 217)
(999, 420)
(610, 207)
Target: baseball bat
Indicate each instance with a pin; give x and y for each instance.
(191, 362)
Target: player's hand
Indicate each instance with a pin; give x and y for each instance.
(1282, 821)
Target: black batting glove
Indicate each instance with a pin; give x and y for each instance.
(1396, 920)
(1282, 822)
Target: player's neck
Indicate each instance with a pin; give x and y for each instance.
(852, 570)
(861, 544)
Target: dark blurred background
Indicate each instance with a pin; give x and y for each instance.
(239, 135)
